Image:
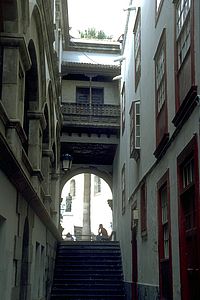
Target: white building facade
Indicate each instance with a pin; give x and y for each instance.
(156, 168)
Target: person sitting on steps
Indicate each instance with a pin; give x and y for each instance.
(102, 233)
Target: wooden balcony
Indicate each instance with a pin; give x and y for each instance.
(91, 118)
(90, 133)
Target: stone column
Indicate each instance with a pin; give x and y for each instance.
(86, 207)
(10, 81)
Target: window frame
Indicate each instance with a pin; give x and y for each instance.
(165, 257)
(182, 28)
(123, 107)
(158, 8)
(161, 48)
(123, 189)
(162, 135)
(90, 95)
(137, 47)
(134, 148)
(185, 87)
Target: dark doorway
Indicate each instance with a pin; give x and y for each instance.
(24, 263)
(134, 256)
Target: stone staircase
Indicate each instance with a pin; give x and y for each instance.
(88, 270)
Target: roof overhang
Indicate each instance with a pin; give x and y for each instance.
(92, 69)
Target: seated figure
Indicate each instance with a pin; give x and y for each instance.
(102, 233)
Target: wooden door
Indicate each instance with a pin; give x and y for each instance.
(134, 264)
(189, 247)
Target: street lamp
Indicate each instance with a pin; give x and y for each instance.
(66, 162)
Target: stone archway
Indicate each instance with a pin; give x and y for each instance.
(89, 207)
(24, 277)
(103, 173)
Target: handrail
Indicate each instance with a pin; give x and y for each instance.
(88, 237)
(94, 109)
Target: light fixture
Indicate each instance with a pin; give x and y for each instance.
(117, 77)
(66, 162)
(129, 8)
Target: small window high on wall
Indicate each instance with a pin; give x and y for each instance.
(137, 48)
(162, 135)
(135, 130)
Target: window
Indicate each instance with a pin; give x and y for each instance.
(73, 188)
(164, 221)
(123, 108)
(97, 184)
(158, 7)
(186, 89)
(143, 209)
(183, 29)
(158, 3)
(164, 239)
(83, 95)
(160, 76)
(97, 96)
(135, 129)
(188, 173)
(162, 135)
(123, 190)
(137, 48)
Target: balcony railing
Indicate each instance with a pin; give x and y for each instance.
(93, 115)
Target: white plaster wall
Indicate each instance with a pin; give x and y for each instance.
(148, 248)
(110, 90)
(8, 229)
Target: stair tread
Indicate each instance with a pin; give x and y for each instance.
(88, 270)
(94, 297)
